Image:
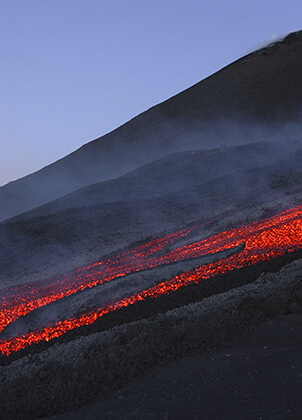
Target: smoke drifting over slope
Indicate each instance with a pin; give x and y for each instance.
(184, 174)
(267, 42)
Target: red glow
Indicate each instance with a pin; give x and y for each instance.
(264, 239)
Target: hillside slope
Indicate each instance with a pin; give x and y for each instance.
(187, 176)
(260, 90)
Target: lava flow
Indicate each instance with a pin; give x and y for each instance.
(262, 240)
(19, 300)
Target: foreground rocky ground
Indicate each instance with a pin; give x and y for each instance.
(258, 377)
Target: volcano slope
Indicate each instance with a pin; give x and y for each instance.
(175, 259)
(258, 94)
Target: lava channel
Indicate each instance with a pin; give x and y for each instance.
(262, 240)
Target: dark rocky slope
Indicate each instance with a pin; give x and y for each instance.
(261, 88)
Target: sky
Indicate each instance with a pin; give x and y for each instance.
(74, 70)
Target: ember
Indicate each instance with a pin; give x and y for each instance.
(262, 240)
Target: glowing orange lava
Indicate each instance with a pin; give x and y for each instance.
(262, 240)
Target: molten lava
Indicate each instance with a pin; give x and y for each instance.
(262, 240)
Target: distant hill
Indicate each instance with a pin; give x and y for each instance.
(184, 174)
(260, 91)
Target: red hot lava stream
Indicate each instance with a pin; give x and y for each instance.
(265, 239)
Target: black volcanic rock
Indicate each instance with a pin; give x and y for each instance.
(263, 87)
(294, 36)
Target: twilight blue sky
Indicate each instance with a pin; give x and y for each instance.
(73, 70)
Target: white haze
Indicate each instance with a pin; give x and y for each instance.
(263, 44)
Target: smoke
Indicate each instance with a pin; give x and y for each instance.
(273, 39)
